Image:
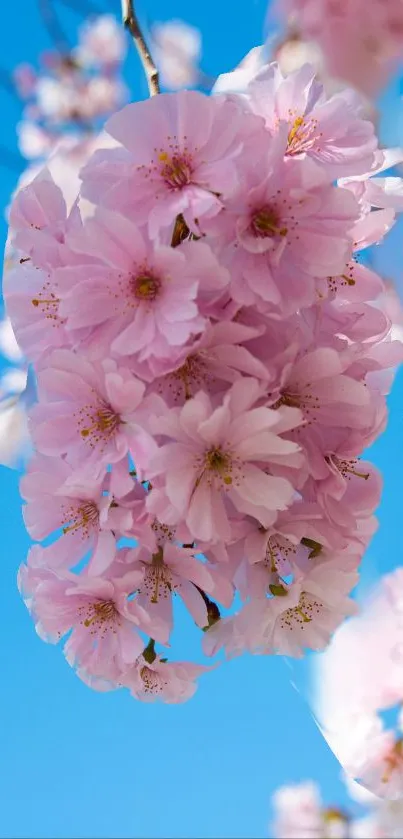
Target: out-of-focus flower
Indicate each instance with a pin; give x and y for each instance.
(300, 813)
(177, 51)
(101, 42)
(358, 46)
(352, 692)
(15, 394)
(70, 96)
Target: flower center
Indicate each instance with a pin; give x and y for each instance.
(151, 680)
(83, 518)
(101, 616)
(299, 616)
(146, 287)
(307, 402)
(191, 375)
(176, 170)
(347, 468)
(220, 469)
(157, 579)
(47, 301)
(163, 532)
(266, 223)
(302, 135)
(278, 550)
(393, 760)
(220, 462)
(98, 424)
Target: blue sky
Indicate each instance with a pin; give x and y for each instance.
(74, 763)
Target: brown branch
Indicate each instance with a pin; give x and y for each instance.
(55, 30)
(131, 23)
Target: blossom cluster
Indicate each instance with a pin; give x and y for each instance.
(356, 45)
(299, 813)
(74, 91)
(352, 696)
(210, 368)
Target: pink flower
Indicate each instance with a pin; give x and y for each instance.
(25, 78)
(39, 222)
(173, 570)
(177, 48)
(358, 47)
(90, 413)
(104, 640)
(52, 505)
(382, 773)
(284, 231)
(181, 158)
(317, 384)
(32, 297)
(298, 812)
(293, 618)
(222, 458)
(136, 298)
(173, 682)
(102, 42)
(214, 360)
(331, 132)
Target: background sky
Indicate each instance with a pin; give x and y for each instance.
(74, 763)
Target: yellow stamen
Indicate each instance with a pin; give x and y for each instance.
(295, 128)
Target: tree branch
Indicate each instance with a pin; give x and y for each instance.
(53, 26)
(131, 23)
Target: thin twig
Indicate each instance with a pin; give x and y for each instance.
(54, 27)
(131, 23)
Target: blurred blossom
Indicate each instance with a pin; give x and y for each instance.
(33, 141)
(8, 343)
(360, 42)
(71, 95)
(352, 694)
(299, 813)
(25, 80)
(15, 395)
(101, 42)
(177, 51)
(14, 438)
(391, 304)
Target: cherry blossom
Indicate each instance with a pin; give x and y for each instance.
(187, 165)
(153, 678)
(212, 355)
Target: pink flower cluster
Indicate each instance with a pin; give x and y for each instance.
(359, 44)
(210, 368)
(72, 92)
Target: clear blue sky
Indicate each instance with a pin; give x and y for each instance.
(74, 763)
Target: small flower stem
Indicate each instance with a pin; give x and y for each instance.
(213, 612)
(149, 653)
(131, 23)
